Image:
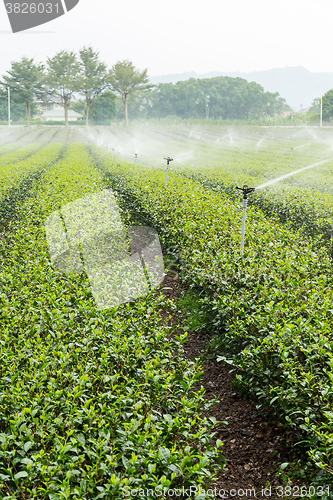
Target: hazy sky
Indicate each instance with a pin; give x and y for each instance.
(175, 36)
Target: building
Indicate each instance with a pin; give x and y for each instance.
(52, 111)
(59, 115)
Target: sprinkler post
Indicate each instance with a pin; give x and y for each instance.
(168, 159)
(112, 153)
(136, 157)
(246, 190)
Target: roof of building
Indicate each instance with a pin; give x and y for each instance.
(60, 113)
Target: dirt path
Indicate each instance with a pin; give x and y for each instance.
(254, 445)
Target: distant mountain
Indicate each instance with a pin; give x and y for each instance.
(297, 85)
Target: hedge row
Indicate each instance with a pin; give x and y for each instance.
(271, 311)
(91, 401)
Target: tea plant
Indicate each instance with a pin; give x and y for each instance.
(271, 311)
(91, 401)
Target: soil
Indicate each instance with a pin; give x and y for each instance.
(255, 445)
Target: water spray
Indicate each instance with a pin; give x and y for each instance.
(246, 190)
(294, 172)
(168, 159)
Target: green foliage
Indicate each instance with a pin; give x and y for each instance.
(91, 401)
(126, 82)
(328, 105)
(25, 82)
(315, 106)
(197, 314)
(17, 109)
(103, 108)
(93, 77)
(271, 311)
(62, 79)
(78, 106)
(227, 98)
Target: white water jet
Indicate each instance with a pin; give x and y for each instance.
(258, 143)
(273, 181)
(183, 157)
(302, 146)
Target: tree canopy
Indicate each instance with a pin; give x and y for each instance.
(103, 108)
(126, 81)
(93, 77)
(328, 105)
(17, 109)
(227, 98)
(68, 74)
(25, 82)
(62, 79)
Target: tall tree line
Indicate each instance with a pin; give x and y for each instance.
(222, 98)
(68, 75)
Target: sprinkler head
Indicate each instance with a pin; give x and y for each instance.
(168, 159)
(246, 190)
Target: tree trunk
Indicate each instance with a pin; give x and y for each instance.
(66, 115)
(126, 115)
(87, 114)
(27, 108)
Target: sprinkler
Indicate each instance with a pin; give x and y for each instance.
(136, 157)
(168, 159)
(246, 190)
(112, 152)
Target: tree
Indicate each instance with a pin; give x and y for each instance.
(103, 108)
(62, 79)
(93, 77)
(17, 109)
(79, 107)
(328, 105)
(229, 99)
(126, 82)
(315, 106)
(24, 79)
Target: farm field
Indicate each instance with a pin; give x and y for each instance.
(223, 157)
(93, 401)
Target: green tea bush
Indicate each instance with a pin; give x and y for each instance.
(271, 311)
(91, 401)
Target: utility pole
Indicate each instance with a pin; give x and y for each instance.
(8, 88)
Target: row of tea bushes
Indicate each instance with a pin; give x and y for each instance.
(17, 180)
(20, 153)
(10, 174)
(91, 401)
(231, 159)
(28, 142)
(271, 311)
(12, 139)
(305, 209)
